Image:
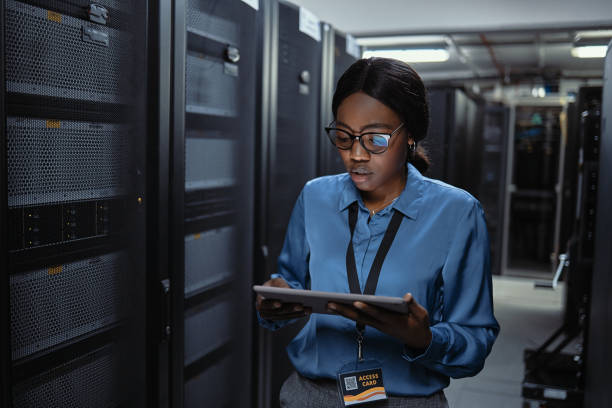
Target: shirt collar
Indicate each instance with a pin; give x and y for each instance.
(408, 202)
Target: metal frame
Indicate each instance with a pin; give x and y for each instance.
(327, 88)
(508, 190)
(176, 202)
(158, 94)
(5, 339)
(268, 91)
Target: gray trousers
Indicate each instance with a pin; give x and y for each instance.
(300, 392)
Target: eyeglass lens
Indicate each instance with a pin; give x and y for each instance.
(375, 143)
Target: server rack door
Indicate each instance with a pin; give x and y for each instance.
(5, 338)
(213, 176)
(288, 159)
(74, 200)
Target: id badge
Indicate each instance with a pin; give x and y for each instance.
(360, 382)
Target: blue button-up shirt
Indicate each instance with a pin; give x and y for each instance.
(440, 254)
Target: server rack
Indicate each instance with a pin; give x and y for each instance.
(287, 159)
(534, 162)
(597, 387)
(491, 187)
(555, 369)
(210, 206)
(74, 202)
(453, 139)
(340, 50)
(5, 338)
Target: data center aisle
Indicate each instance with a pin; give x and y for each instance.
(527, 317)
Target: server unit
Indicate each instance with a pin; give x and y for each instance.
(339, 52)
(287, 156)
(211, 210)
(74, 200)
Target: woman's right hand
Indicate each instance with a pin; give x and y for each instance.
(272, 309)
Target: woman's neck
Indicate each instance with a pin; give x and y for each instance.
(376, 199)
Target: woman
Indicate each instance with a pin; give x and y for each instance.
(435, 254)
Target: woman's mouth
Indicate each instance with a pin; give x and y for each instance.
(360, 175)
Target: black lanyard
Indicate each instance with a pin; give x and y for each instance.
(383, 249)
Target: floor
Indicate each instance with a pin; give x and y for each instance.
(527, 317)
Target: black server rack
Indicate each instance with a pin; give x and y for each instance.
(566, 371)
(533, 201)
(73, 200)
(287, 159)
(491, 189)
(454, 136)
(339, 52)
(211, 203)
(598, 393)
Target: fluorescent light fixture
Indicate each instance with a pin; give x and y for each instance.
(400, 40)
(590, 51)
(411, 55)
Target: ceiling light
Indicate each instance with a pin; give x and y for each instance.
(399, 40)
(590, 51)
(411, 55)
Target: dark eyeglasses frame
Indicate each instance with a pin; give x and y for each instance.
(360, 137)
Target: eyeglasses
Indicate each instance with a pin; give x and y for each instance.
(373, 142)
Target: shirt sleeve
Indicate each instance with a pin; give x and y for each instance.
(293, 259)
(465, 335)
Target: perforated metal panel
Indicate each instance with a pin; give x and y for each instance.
(206, 328)
(89, 381)
(53, 161)
(210, 163)
(209, 90)
(46, 54)
(50, 306)
(201, 21)
(209, 257)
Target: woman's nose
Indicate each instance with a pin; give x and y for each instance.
(358, 152)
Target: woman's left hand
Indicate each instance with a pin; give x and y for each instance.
(412, 328)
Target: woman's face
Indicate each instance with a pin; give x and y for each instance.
(379, 174)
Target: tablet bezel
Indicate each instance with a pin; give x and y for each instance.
(317, 300)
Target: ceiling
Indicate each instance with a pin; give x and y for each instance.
(512, 42)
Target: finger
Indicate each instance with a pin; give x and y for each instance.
(285, 316)
(278, 307)
(378, 313)
(270, 304)
(351, 313)
(277, 282)
(415, 308)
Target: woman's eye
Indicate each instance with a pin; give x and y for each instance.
(378, 140)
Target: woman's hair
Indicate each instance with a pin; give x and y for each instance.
(398, 86)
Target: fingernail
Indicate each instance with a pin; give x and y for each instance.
(297, 308)
(359, 305)
(331, 306)
(277, 305)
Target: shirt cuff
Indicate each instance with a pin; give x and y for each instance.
(268, 324)
(434, 351)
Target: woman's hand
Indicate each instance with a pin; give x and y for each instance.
(412, 328)
(271, 309)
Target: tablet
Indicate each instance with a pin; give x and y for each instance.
(318, 300)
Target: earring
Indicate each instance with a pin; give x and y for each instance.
(412, 147)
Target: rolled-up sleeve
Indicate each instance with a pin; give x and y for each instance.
(465, 334)
(293, 259)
